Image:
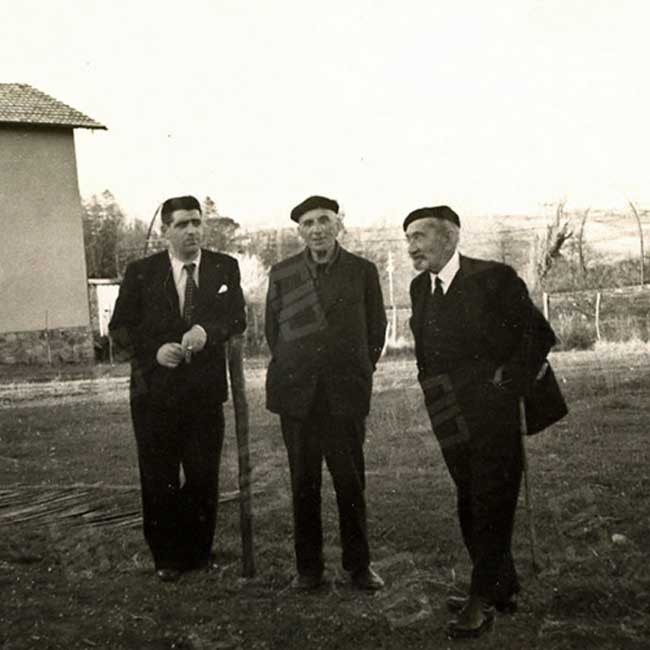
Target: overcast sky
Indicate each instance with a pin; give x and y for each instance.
(385, 105)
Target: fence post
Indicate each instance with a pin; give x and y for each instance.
(641, 253)
(598, 295)
(47, 337)
(391, 297)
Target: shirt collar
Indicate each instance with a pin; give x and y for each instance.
(177, 265)
(447, 273)
(313, 265)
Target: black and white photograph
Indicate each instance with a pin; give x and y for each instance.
(324, 325)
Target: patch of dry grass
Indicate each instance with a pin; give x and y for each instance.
(67, 584)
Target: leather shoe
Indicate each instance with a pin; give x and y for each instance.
(457, 630)
(456, 603)
(307, 582)
(168, 575)
(367, 580)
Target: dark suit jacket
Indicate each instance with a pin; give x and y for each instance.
(147, 314)
(334, 345)
(502, 327)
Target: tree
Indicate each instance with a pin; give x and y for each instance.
(581, 237)
(132, 241)
(254, 277)
(209, 208)
(110, 241)
(557, 234)
(221, 233)
(103, 226)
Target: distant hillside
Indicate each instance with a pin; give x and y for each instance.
(608, 237)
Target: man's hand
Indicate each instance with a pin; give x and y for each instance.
(170, 355)
(193, 341)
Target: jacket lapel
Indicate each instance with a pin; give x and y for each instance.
(210, 281)
(456, 285)
(341, 270)
(421, 290)
(164, 280)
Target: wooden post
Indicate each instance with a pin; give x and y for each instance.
(256, 327)
(47, 337)
(530, 516)
(545, 301)
(598, 295)
(641, 253)
(391, 297)
(238, 385)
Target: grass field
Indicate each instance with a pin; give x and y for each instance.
(75, 571)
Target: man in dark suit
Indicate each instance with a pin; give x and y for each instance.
(174, 313)
(481, 345)
(325, 326)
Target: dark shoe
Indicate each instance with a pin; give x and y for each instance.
(456, 603)
(367, 580)
(307, 582)
(457, 630)
(168, 575)
(507, 606)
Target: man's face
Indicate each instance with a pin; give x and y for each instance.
(319, 229)
(431, 243)
(184, 233)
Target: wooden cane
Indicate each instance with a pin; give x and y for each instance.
(532, 536)
(238, 386)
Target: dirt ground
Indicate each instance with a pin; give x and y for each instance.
(75, 571)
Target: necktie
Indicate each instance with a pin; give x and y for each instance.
(190, 293)
(438, 296)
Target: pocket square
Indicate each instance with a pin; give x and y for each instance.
(222, 289)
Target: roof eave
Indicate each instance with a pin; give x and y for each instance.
(92, 127)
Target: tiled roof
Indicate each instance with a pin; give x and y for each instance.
(22, 104)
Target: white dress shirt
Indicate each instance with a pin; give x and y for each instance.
(447, 273)
(180, 276)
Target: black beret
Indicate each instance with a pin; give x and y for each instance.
(178, 203)
(313, 203)
(438, 212)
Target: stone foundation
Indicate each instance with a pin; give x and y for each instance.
(62, 345)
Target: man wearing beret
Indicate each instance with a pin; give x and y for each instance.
(174, 313)
(325, 326)
(481, 348)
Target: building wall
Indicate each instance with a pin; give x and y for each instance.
(42, 263)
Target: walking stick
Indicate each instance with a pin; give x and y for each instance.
(238, 385)
(532, 536)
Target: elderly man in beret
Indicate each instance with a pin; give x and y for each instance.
(481, 348)
(325, 326)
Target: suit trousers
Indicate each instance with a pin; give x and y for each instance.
(339, 440)
(179, 518)
(486, 469)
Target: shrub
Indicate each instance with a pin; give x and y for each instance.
(574, 332)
